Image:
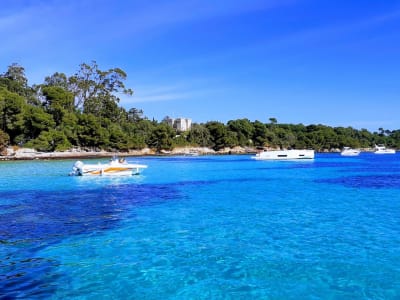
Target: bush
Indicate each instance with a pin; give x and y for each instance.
(4, 142)
(50, 141)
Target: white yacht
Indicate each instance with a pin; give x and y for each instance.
(347, 151)
(116, 167)
(284, 154)
(381, 149)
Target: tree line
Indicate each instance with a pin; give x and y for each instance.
(82, 110)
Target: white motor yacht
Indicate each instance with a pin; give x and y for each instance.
(381, 149)
(347, 151)
(284, 154)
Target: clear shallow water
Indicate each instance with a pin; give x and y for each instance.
(214, 227)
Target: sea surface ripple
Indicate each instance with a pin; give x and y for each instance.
(207, 227)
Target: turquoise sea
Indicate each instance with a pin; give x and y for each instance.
(207, 227)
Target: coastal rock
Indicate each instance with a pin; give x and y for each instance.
(25, 153)
(192, 150)
(80, 153)
(144, 151)
(237, 150)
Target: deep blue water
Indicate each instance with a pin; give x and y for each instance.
(212, 227)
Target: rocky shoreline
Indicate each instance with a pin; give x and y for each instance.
(30, 154)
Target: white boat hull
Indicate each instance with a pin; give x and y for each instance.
(285, 155)
(387, 151)
(114, 168)
(350, 152)
(380, 149)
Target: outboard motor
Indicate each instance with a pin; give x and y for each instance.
(77, 169)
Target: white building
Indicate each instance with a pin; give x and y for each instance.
(180, 124)
(183, 124)
(169, 121)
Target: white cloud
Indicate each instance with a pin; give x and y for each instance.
(143, 93)
(90, 20)
(185, 90)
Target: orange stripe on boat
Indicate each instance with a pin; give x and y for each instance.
(115, 169)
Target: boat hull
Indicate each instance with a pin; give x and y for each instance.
(285, 155)
(350, 153)
(387, 151)
(89, 170)
(381, 149)
(114, 168)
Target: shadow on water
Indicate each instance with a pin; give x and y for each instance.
(36, 219)
(369, 171)
(390, 181)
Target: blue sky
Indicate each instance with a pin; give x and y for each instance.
(313, 62)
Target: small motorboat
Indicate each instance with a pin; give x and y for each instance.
(284, 154)
(191, 153)
(347, 151)
(381, 149)
(116, 167)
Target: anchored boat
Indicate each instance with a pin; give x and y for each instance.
(284, 154)
(381, 149)
(347, 151)
(116, 167)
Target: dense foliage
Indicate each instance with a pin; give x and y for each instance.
(82, 111)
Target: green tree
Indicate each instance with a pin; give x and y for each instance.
(57, 80)
(181, 140)
(69, 126)
(199, 135)
(14, 80)
(50, 140)
(118, 139)
(259, 133)
(244, 130)
(57, 102)
(37, 120)
(162, 137)
(219, 134)
(12, 108)
(95, 90)
(273, 121)
(142, 133)
(135, 115)
(57, 97)
(4, 142)
(90, 133)
(395, 139)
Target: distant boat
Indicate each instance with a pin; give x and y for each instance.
(347, 151)
(192, 153)
(381, 149)
(116, 167)
(284, 154)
